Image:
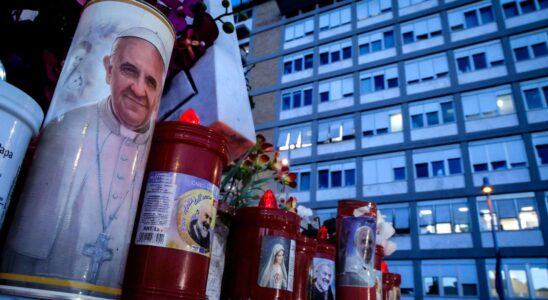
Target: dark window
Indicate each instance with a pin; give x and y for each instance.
(533, 99)
(539, 49)
(518, 165)
(288, 67)
(324, 58)
(388, 39)
(347, 52)
(382, 130)
(324, 96)
(510, 9)
(527, 6)
(379, 82)
(457, 27)
(480, 167)
(454, 166)
(376, 46)
(286, 101)
(323, 179)
(422, 170)
(422, 37)
(364, 49)
(296, 99)
(450, 286)
(307, 97)
(308, 61)
(431, 286)
(399, 173)
(542, 151)
(350, 177)
(543, 4)
(432, 118)
(298, 64)
(438, 169)
(435, 33)
(392, 82)
(447, 112)
(521, 53)
(486, 14)
(545, 92)
(469, 289)
(471, 19)
(408, 37)
(336, 179)
(499, 165)
(304, 185)
(417, 121)
(463, 64)
(368, 133)
(495, 63)
(335, 56)
(479, 61)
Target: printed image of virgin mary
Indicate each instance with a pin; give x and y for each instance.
(274, 274)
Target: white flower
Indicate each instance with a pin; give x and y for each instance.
(304, 211)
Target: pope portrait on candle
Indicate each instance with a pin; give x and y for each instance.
(75, 214)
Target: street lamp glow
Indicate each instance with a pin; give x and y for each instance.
(285, 162)
(486, 188)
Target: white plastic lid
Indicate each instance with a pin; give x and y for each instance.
(21, 105)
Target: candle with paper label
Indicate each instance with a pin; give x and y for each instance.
(391, 286)
(170, 254)
(306, 250)
(261, 251)
(322, 276)
(356, 233)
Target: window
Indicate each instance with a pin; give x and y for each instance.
(529, 46)
(510, 213)
(335, 89)
(296, 98)
(294, 63)
(435, 113)
(335, 18)
(294, 137)
(443, 277)
(379, 79)
(444, 217)
(381, 122)
(488, 103)
(335, 51)
(540, 142)
(376, 41)
(487, 155)
(333, 131)
(470, 16)
(539, 276)
(528, 277)
(398, 217)
(432, 67)
(372, 8)
(422, 29)
(435, 162)
(299, 29)
(383, 168)
(480, 57)
(337, 175)
(535, 93)
(512, 9)
(304, 181)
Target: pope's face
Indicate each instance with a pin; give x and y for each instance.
(365, 245)
(323, 277)
(134, 73)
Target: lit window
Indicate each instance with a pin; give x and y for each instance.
(518, 283)
(431, 286)
(450, 286)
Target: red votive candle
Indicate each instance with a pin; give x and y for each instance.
(306, 249)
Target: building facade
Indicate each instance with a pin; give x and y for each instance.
(411, 104)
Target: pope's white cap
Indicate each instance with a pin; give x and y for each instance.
(151, 37)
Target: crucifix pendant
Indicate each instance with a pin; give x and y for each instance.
(98, 253)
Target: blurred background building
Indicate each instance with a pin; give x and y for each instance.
(410, 103)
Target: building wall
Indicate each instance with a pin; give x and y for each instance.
(477, 112)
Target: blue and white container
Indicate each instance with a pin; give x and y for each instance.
(21, 119)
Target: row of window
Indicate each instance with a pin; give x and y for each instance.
(479, 17)
(486, 155)
(473, 63)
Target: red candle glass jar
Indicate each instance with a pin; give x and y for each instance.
(322, 281)
(379, 253)
(169, 256)
(391, 286)
(260, 260)
(306, 249)
(356, 233)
